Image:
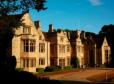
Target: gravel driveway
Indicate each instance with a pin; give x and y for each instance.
(81, 75)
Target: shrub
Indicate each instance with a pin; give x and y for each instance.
(40, 70)
(68, 68)
(19, 69)
(52, 68)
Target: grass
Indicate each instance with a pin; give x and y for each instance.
(42, 71)
(55, 72)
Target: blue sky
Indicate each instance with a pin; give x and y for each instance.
(87, 15)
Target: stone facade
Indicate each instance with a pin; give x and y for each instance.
(36, 49)
(29, 46)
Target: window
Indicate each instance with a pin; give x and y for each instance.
(40, 37)
(79, 42)
(68, 61)
(61, 39)
(68, 48)
(29, 45)
(78, 48)
(26, 30)
(29, 62)
(32, 45)
(41, 47)
(106, 55)
(25, 62)
(41, 61)
(32, 62)
(62, 48)
(61, 62)
(26, 45)
(82, 49)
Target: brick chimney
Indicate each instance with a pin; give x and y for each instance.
(51, 29)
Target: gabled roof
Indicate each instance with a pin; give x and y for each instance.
(99, 41)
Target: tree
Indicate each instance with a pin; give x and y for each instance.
(10, 13)
(74, 62)
(14, 6)
(108, 31)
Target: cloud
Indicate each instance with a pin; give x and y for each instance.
(95, 2)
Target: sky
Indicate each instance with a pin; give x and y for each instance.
(87, 15)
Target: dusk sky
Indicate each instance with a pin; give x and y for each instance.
(87, 15)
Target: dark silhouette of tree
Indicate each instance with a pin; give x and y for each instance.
(11, 12)
(9, 19)
(74, 62)
(108, 31)
(19, 6)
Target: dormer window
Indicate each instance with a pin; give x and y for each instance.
(26, 30)
(40, 37)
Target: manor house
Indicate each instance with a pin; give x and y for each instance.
(35, 49)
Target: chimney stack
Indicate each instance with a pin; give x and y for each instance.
(68, 35)
(83, 34)
(78, 33)
(37, 24)
(51, 29)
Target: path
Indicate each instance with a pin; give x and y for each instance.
(78, 76)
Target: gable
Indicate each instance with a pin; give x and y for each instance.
(105, 43)
(29, 26)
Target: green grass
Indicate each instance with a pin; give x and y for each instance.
(54, 72)
(65, 69)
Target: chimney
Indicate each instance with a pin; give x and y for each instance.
(37, 24)
(83, 34)
(68, 35)
(78, 33)
(51, 29)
